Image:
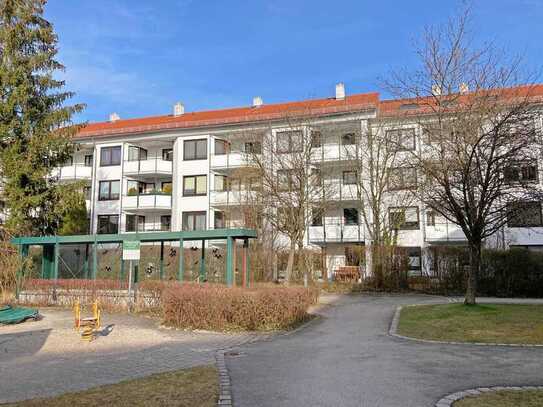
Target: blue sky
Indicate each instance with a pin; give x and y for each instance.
(138, 57)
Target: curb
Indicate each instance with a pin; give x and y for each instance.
(396, 320)
(448, 400)
(225, 389)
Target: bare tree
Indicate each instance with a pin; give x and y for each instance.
(479, 143)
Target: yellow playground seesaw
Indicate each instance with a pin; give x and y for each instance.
(89, 325)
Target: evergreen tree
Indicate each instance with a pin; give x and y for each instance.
(35, 123)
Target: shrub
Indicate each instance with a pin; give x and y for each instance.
(220, 308)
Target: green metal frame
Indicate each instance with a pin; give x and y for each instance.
(51, 248)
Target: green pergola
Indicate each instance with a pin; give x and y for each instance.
(51, 248)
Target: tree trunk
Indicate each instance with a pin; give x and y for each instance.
(473, 273)
(377, 265)
(290, 263)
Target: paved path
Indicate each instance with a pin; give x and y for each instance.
(346, 358)
(47, 357)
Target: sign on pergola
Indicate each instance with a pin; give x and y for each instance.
(51, 248)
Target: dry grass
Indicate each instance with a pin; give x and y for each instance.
(489, 323)
(185, 388)
(506, 398)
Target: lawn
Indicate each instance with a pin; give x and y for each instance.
(506, 398)
(490, 323)
(191, 387)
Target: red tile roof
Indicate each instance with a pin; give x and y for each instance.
(315, 107)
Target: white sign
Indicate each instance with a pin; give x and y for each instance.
(131, 250)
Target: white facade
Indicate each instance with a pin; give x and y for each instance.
(159, 190)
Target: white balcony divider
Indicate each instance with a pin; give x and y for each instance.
(150, 166)
(147, 201)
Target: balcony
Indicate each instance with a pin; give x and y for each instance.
(336, 233)
(231, 160)
(232, 198)
(336, 191)
(148, 202)
(444, 232)
(73, 172)
(152, 166)
(330, 153)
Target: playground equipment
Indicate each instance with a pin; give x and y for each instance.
(89, 325)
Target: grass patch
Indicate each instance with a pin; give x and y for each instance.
(185, 388)
(488, 323)
(505, 398)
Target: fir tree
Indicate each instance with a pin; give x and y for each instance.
(35, 122)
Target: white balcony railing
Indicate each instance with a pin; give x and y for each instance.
(150, 166)
(336, 232)
(334, 152)
(234, 159)
(225, 198)
(73, 172)
(148, 201)
(444, 232)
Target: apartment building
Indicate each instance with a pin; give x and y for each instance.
(176, 172)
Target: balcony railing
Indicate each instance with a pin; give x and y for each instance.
(151, 166)
(154, 201)
(73, 172)
(336, 232)
(225, 198)
(334, 152)
(231, 160)
(444, 232)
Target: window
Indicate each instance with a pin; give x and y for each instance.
(108, 224)
(166, 187)
(349, 177)
(253, 147)
(521, 172)
(140, 188)
(165, 223)
(194, 220)
(350, 216)
(110, 156)
(316, 216)
(414, 259)
(404, 218)
(167, 154)
(195, 149)
(195, 185)
(135, 223)
(316, 139)
(221, 183)
(219, 220)
(348, 139)
(401, 139)
(289, 141)
(286, 180)
(402, 178)
(86, 193)
(221, 147)
(316, 177)
(69, 162)
(524, 214)
(109, 190)
(430, 217)
(88, 160)
(136, 153)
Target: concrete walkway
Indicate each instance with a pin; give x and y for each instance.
(47, 357)
(346, 358)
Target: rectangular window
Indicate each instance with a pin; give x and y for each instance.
(166, 187)
(109, 190)
(404, 218)
(286, 180)
(289, 141)
(87, 192)
(108, 224)
(194, 220)
(524, 214)
(195, 185)
(221, 183)
(430, 217)
(349, 177)
(316, 139)
(136, 153)
(219, 222)
(221, 147)
(401, 139)
(135, 223)
(521, 172)
(88, 160)
(350, 216)
(348, 139)
(165, 223)
(402, 178)
(316, 216)
(316, 177)
(110, 156)
(69, 162)
(253, 147)
(167, 154)
(195, 150)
